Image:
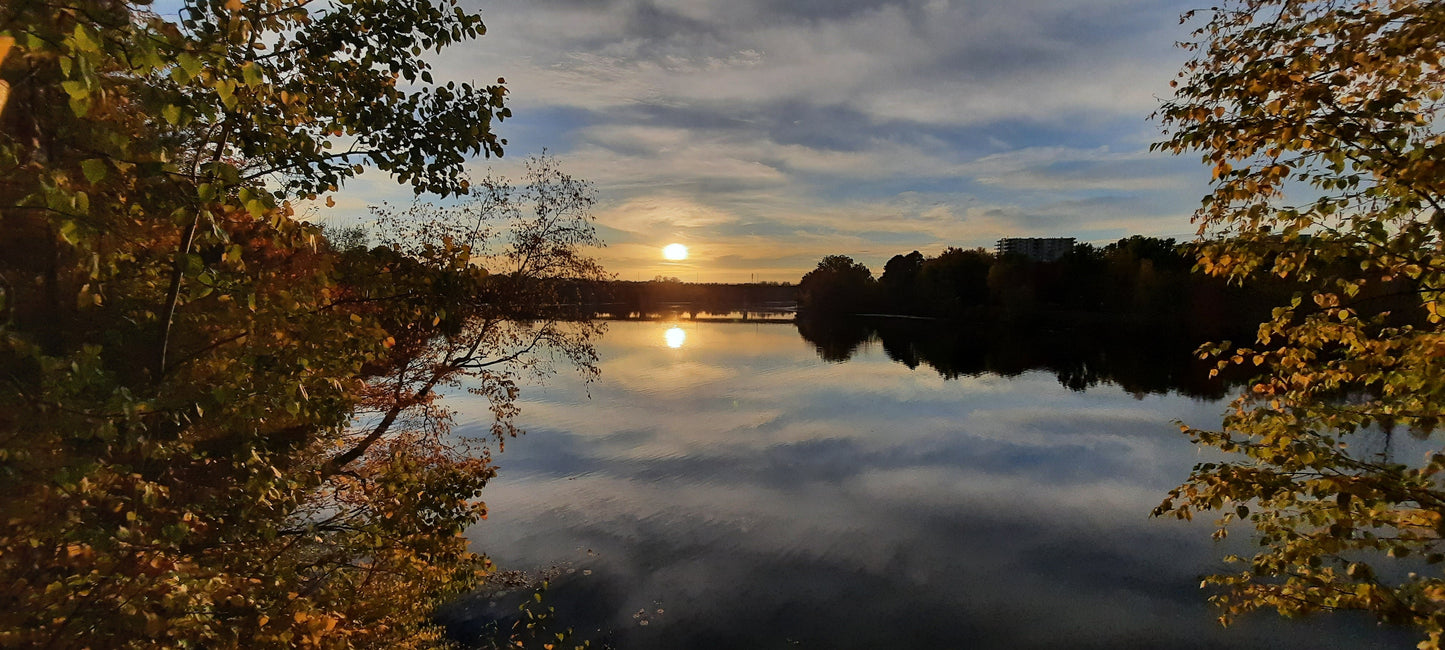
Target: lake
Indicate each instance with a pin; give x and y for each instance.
(740, 485)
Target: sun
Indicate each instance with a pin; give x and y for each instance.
(674, 252)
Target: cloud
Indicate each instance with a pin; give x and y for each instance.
(1055, 169)
(768, 134)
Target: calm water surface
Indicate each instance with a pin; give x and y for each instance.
(724, 486)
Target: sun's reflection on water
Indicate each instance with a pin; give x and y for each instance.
(675, 337)
(870, 496)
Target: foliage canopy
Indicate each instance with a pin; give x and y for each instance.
(1322, 122)
(217, 429)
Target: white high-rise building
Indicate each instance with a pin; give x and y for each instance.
(1039, 249)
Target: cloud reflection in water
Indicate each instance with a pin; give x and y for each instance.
(761, 495)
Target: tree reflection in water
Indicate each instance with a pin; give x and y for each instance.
(1138, 358)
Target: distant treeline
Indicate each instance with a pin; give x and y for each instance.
(1139, 279)
(662, 296)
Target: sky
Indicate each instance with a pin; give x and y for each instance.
(765, 134)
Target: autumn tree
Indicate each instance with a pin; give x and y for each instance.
(1322, 123)
(187, 448)
(476, 293)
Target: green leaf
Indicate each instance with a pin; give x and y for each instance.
(192, 264)
(94, 169)
(83, 40)
(77, 89)
(80, 106)
(226, 89)
(67, 232)
(251, 73)
(190, 64)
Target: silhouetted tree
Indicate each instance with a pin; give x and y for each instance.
(899, 282)
(955, 281)
(839, 285)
